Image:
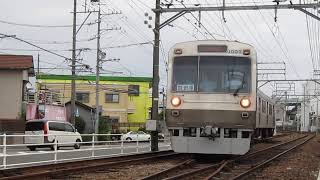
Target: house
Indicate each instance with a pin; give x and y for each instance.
(124, 100)
(15, 71)
(85, 112)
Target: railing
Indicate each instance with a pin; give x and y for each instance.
(93, 146)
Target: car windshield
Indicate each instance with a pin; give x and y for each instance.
(217, 74)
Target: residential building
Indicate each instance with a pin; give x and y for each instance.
(86, 113)
(125, 100)
(15, 71)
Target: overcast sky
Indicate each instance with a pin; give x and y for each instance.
(285, 40)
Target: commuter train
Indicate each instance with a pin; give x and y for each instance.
(213, 105)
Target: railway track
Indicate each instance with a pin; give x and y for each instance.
(65, 169)
(236, 168)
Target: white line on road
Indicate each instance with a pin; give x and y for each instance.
(22, 153)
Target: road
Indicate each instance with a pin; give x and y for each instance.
(25, 157)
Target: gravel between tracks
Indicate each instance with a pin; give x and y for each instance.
(276, 140)
(301, 164)
(127, 172)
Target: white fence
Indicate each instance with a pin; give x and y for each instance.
(93, 146)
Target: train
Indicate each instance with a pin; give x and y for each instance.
(213, 104)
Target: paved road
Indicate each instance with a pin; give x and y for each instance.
(23, 155)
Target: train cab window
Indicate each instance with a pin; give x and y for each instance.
(185, 74)
(245, 134)
(224, 74)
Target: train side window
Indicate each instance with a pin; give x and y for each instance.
(270, 109)
(263, 106)
(259, 105)
(175, 132)
(245, 134)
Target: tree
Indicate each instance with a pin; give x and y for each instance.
(104, 128)
(80, 124)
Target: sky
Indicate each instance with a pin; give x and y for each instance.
(47, 23)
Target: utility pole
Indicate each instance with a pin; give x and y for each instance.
(73, 64)
(163, 104)
(38, 65)
(98, 75)
(155, 79)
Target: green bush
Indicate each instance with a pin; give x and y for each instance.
(80, 124)
(104, 128)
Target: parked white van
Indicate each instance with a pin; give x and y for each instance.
(50, 132)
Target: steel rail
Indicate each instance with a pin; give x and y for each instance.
(85, 167)
(195, 171)
(215, 173)
(162, 173)
(270, 159)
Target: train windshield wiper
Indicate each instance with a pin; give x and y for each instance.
(235, 93)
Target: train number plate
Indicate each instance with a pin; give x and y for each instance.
(185, 87)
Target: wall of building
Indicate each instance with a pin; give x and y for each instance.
(10, 94)
(132, 109)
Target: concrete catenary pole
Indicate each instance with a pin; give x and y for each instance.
(98, 75)
(155, 79)
(73, 64)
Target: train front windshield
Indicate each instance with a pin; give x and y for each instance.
(211, 74)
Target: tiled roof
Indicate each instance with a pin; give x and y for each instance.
(16, 62)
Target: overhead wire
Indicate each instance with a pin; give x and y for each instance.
(41, 26)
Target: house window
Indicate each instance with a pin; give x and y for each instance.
(133, 90)
(82, 97)
(112, 98)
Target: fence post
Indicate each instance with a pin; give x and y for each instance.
(121, 143)
(137, 143)
(55, 148)
(4, 151)
(92, 145)
(150, 144)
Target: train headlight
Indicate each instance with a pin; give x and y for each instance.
(245, 102)
(176, 101)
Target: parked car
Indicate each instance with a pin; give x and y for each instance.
(50, 132)
(134, 136)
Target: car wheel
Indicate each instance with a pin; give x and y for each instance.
(77, 144)
(32, 148)
(128, 139)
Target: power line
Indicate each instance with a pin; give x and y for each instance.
(41, 26)
(51, 52)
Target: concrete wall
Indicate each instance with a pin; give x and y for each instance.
(11, 84)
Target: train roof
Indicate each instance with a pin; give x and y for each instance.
(212, 41)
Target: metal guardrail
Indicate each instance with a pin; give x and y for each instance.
(92, 146)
